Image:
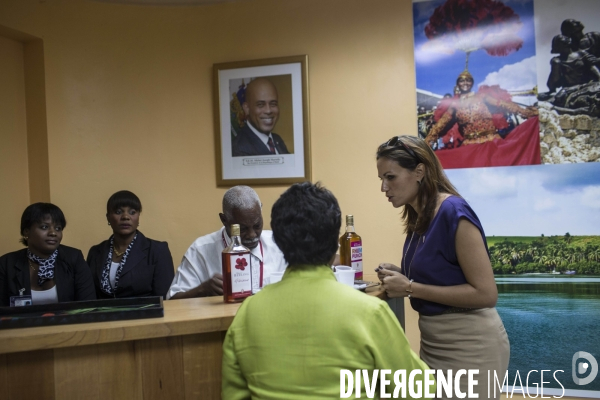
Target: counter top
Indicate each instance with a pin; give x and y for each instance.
(182, 317)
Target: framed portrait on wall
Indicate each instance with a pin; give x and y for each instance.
(262, 122)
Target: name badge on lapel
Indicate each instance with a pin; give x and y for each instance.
(20, 300)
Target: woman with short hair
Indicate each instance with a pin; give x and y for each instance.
(129, 264)
(445, 271)
(45, 270)
(292, 339)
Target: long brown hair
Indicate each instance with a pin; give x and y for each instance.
(434, 181)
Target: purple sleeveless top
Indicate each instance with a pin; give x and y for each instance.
(435, 261)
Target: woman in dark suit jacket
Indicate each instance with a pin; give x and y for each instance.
(46, 270)
(129, 264)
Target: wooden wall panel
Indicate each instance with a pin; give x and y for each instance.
(202, 356)
(76, 373)
(161, 364)
(3, 373)
(30, 376)
(107, 371)
(119, 375)
(175, 357)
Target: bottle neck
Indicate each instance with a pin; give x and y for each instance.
(349, 228)
(236, 241)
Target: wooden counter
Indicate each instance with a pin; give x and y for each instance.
(174, 357)
(182, 317)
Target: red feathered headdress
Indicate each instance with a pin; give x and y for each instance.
(470, 25)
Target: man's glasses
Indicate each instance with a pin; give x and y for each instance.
(397, 142)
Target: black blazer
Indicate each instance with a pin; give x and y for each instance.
(247, 143)
(148, 271)
(71, 274)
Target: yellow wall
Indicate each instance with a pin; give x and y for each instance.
(130, 106)
(14, 182)
(37, 133)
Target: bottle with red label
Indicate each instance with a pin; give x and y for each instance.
(351, 249)
(237, 275)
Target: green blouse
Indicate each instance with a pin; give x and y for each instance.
(291, 340)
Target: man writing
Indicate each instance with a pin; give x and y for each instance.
(262, 112)
(199, 274)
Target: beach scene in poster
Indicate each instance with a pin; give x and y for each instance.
(542, 226)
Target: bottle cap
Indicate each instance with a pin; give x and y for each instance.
(235, 230)
(350, 220)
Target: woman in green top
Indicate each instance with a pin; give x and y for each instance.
(292, 339)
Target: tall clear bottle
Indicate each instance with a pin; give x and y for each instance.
(351, 248)
(237, 275)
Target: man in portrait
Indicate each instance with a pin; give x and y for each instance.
(261, 107)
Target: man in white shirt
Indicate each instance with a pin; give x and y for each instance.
(261, 107)
(199, 273)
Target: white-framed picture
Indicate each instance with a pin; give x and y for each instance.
(262, 131)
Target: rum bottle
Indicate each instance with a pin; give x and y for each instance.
(351, 249)
(237, 275)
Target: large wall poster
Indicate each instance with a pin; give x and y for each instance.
(507, 51)
(543, 229)
(484, 104)
(471, 58)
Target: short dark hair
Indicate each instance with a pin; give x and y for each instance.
(306, 221)
(123, 198)
(36, 212)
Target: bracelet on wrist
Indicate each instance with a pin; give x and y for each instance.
(409, 290)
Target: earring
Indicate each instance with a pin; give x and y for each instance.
(26, 237)
(109, 223)
(419, 182)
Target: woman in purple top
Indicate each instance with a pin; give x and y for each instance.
(445, 271)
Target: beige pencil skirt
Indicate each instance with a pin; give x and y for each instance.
(467, 340)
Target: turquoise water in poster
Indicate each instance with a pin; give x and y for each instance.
(548, 319)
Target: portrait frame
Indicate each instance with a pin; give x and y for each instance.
(290, 77)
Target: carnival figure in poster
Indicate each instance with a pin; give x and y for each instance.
(480, 116)
(475, 117)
